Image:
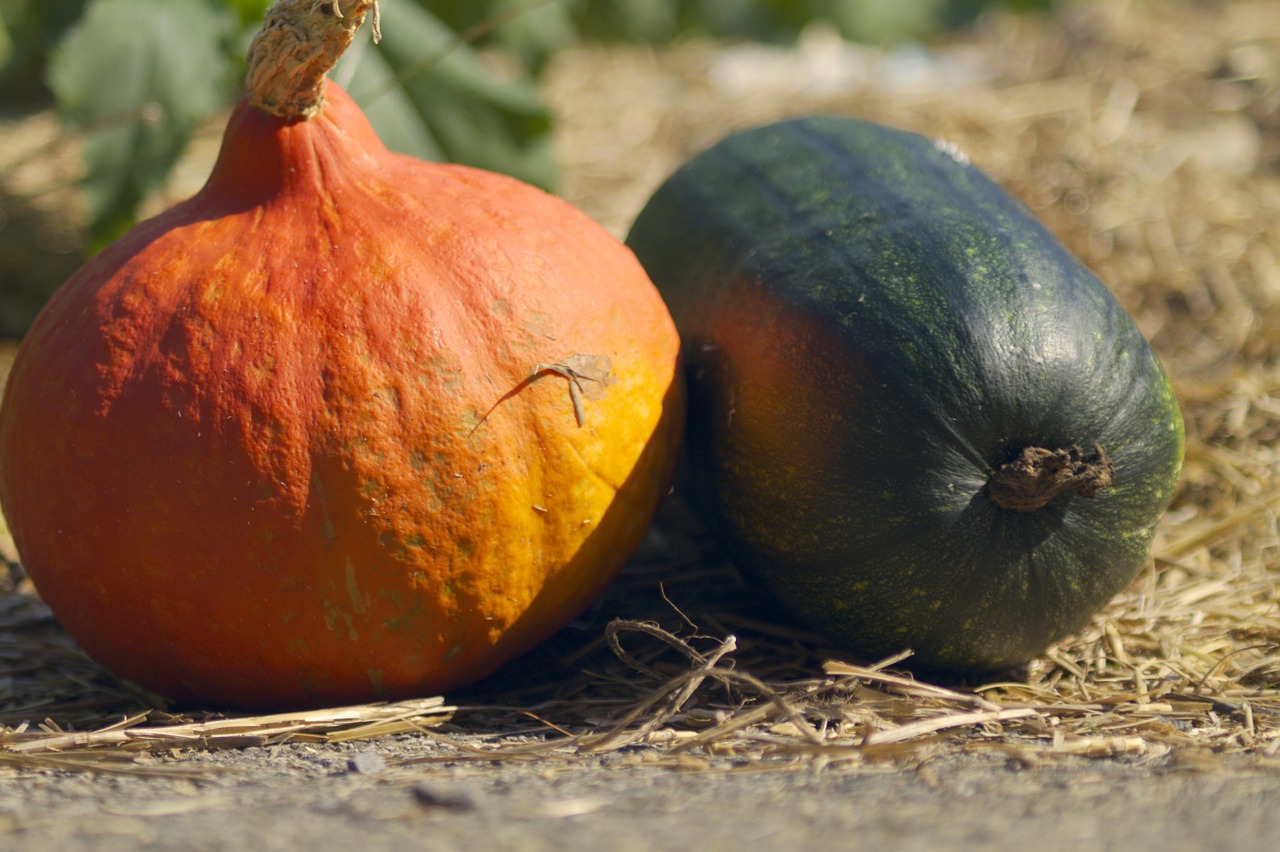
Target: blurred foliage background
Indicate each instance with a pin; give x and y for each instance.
(457, 80)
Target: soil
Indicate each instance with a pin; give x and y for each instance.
(300, 796)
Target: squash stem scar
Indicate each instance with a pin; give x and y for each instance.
(1038, 475)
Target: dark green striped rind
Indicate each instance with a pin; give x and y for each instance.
(871, 328)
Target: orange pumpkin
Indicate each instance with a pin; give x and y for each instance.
(345, 425)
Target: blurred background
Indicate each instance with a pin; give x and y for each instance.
(111, 109)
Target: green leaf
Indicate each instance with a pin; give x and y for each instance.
(432, 97)
(138, 76)
(6, 44)
(888, 21)
(32, 25)
(530, 30)
(251, 12)
(642, 20)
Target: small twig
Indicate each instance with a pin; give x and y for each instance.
(618, 626)
(942, 723)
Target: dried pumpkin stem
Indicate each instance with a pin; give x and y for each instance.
(300, 41)
(1038, 475)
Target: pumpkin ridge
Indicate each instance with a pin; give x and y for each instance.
(293, 366)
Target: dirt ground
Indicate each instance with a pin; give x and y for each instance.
(1178, 745)
(375, 796)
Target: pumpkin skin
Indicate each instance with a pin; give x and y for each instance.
(312, 436)
(873, 330)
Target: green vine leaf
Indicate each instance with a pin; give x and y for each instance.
(251, 12)
(433, 97)
(137, 77)
(6, 43)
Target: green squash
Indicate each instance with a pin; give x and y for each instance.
(915, 419)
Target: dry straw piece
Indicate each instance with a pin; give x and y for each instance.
(1147, 135)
